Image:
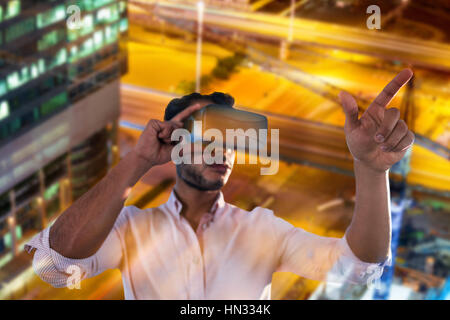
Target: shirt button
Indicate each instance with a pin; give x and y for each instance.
(205, 225)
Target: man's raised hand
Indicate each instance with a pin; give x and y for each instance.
(379, 138)
(154, 144)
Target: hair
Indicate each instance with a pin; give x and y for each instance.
(177, 105)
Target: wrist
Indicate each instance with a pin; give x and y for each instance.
(362, 167)
(141, 163)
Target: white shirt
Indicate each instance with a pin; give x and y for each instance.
(232, 254)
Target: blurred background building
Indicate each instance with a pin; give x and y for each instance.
(74, 98)
(59, 107)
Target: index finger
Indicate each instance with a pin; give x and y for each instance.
(186, 112)
(389, 92)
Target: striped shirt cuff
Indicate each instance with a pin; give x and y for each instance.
(55, 269)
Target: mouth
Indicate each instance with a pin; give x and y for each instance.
(222, 168)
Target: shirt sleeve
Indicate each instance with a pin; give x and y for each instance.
(322, 258)
(60, 271)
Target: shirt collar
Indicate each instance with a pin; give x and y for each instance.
(174, 205)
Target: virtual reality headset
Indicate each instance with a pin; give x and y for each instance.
(229, 124)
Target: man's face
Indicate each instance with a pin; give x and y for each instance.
(203, 176)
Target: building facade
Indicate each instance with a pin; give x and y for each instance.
(60, 64)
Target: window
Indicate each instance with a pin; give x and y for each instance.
(4, 132)
(41, 65)
(73, 53)
(51, 16)
(7, 239)
(19, 29)
(104, 14)
(54, 103)
(87, 27)
(123, 25)
(30, 72)
(107, 14)
(88, 4)
(59, 59)
(88, 22)
(88, 47)
(13, 80)
(99, 3)
(122, 6)
(98, 39)
(28, 118)
(5, 204)
(50, 39)
(111, 33)
(15, 125)
(34, 70)
(51, 191)
(16, 79)
(4, 110)
(24, 74)
(3, 88)
(12, 9)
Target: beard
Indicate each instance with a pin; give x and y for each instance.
(196, 180)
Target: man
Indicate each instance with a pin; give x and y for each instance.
(197, 246)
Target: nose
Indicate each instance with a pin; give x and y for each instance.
(227, 153)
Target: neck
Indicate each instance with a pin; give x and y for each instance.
(195, 202)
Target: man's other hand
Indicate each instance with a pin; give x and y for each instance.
(379, 138)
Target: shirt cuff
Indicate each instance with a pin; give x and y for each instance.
(53, 267)
(349, 268)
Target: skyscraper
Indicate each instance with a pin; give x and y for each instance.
(60, 64)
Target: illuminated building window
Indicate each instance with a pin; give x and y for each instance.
(122, 6)
(7, 238)
(12, 9)
(98, 38)
(4, 110)
(107, 14)
(123, 25)
(100, 3)
(24, 75)
(51, 16)
(111, 33)
(60, 58)
(3, 88)
(88, 24)
(73, 54)
(54, 103)
(108, 33)
(87, 27)
(41, 65)
(16, 79)
(49, 39)
(51, 191)
(88, 4)
(13, 81)
(34, 71)
(104, 14)
(19, 29)
(88, 47)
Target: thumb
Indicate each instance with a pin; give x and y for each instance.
(350, 108)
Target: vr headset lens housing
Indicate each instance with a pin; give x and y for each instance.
(245, 129)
